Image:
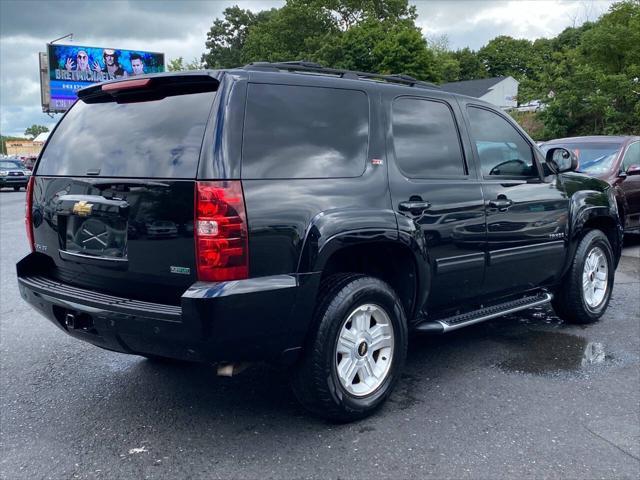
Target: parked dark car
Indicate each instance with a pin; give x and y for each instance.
(615, 160)
(13, 174)
(326, 215)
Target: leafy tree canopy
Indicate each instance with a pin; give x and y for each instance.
(178, 64)
(34, 130)
(370, 35)
(589, 76)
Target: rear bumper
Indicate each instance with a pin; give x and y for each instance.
(256, 319)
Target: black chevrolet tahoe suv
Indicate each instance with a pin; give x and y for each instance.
(305, 216)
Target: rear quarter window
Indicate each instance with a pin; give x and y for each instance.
(304, 132)
(425, 139)
(147, 139)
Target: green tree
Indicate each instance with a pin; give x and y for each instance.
(370, 35)
(226, 37)
(613, 43)
(471, 67)
(507, 56)
(349, 13)
(595, 77)
(384, 47)
(177, 64)
(34, 130)
(294, 32)
(447, 67)
(570, 37)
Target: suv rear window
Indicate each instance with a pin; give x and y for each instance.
(157, 138)
(304, 132)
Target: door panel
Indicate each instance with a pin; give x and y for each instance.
(431, 186)
(455, 233)
(525, 239)
(527, 216)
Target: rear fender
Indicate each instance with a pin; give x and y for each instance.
(332, 231)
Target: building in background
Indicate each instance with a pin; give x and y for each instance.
(500, 91)
(23, 148)
(41, 139)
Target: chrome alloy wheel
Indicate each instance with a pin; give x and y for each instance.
(595, 277)
(364, 350)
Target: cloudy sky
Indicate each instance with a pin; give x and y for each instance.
(179, 28)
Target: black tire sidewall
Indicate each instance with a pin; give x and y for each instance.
(364, 291)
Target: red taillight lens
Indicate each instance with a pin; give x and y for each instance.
(220, 228)
(27, 212)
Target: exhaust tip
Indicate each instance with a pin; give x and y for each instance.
(231, 369)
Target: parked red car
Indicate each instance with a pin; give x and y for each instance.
(616, 160)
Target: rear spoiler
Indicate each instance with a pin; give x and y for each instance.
(152, 87)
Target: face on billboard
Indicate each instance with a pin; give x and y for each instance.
(137, 64)
(74, 67)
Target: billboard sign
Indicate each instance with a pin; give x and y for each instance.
(72, 67)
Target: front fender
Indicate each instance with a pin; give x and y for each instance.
(591, 199)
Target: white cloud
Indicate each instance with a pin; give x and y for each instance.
(473, 23)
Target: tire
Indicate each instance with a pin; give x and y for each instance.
(369, 307)
(16, 189)
(572, 302)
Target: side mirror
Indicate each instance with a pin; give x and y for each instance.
(633, 169)
(561, 160)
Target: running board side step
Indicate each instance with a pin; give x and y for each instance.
(448, 324)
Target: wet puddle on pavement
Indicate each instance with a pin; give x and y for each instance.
(542, 352)
(545, 352)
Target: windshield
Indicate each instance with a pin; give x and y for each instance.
(10, 165)
(593, 158)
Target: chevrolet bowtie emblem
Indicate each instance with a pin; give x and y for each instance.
(82, 208)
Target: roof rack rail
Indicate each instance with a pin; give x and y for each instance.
(312, 67)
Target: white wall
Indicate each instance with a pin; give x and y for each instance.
(503, 94)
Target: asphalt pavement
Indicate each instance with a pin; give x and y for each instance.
(520, 397)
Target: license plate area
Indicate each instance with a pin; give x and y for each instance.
(96, 236)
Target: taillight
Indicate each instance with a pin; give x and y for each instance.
(220, 228)
(27, 213)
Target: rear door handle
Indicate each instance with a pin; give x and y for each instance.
(414, 207)
(501, 203)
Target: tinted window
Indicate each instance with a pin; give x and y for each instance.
(502, 150)
(425, 139)
(159, 138)
(632, 157)
(304, 132)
